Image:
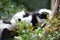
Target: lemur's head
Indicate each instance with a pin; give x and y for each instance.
(19, 16)
(47, 12)
(42, 15)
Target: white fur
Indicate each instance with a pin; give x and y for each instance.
(13, 21)
(41, 20)
(27, 19)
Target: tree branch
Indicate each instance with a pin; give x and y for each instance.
(54, 9)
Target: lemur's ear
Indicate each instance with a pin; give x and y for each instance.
(26, 14)
(7, 22)
(37, 14)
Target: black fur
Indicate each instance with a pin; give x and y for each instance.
(13, 33)
(7, 22)
(5, 34)
(42, 15)
(34, 20)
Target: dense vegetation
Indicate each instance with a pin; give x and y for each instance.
(50, 32)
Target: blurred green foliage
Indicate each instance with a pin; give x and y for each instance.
(9, 7)
(26, 32)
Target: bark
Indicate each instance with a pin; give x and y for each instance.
(54, 9)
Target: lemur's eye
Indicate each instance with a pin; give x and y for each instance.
(19, 20)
